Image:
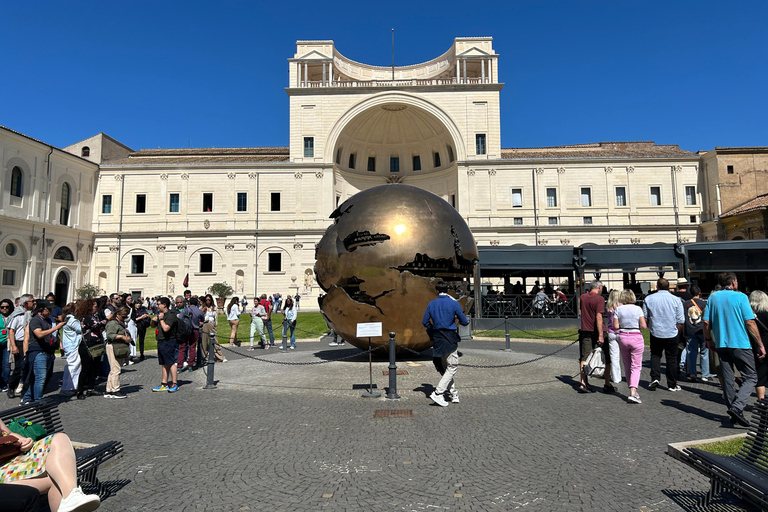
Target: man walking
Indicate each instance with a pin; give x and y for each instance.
(440, 317)
(728, 318)
(591, 334)
(167, 348)
(664, 314)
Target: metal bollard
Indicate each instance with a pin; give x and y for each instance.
(211, 362)
(508, 348)
(392, 391)
(284, 346)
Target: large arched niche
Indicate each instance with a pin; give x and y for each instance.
(396, 125)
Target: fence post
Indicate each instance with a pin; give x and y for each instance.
(392, 390)
(284, 346)
(508, 347)
(209, 384)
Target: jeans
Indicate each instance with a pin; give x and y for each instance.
(6, 368)
(39, 367)
(268, 326)
(668, 347)
(744, 361)
(632, 345)
(292, 327)
(695, 346)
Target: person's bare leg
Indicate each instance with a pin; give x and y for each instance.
(173, 371)
(61, 472)
(164, 379)
(581, 373)
(760, 391)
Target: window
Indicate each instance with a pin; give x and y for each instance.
(275, 262)
(394, 164)
(17, 182)
(655, 196)
(9, 277)
(64, 209)
(690, 195)
(552, 221)
(86, 151)
(173, 207)
(693, 219)
(730, 169)
(517, 198)
(242, 201)
(208, 202)
(309, 147)
(587, 220)
(206, 263)
(479, 143)
(551, 197)
(351, 160)
(416, 162)
(453, 200)
(64, 253)
(586, 196)
(11, 250)
(437, 159)
(450, 154)
(338, 156)
(274, 202)
(106, 203)
(141, 203)
(137, 264)
(518, 221)
(371, 164)
(621, 196)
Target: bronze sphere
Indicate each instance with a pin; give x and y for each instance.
(380, 259)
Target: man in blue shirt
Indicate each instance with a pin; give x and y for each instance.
(664, 314)
(728, 318)
(440, 320)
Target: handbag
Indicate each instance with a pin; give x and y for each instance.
(594, 366)
(10, 446)
(120, 350)
(26, 428)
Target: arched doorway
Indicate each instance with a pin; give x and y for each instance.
(61, 289)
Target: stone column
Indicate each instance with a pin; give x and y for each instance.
(482, 71)
(323, 74)
(464, 70)
(306, 79)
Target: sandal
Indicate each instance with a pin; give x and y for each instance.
(585, 388)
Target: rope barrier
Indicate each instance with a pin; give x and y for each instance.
(518, 363)
(295, 363)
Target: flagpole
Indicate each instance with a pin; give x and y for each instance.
(393, 54)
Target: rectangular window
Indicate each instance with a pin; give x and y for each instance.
(416, 162)
(275, 262)
(208, 202)
(137, 264)
(309, 147)
(730, 169)
(690, 195)
(553, 221)
(551, 197)
(586, 196)
(242, 202)
(453, 200)
(621, 196)
(106, 204)
(371, 164)
(338, 156)
(655, 196)
(518, 221)
(274, 202)
(173, 207)
(437, 159)
(9, 277)
(394, 164)
(206, 263)
(450, 154)
(479, 143)
(351, 160)
(693, 219)
(517, 198)
(587, 220)
(141, 203)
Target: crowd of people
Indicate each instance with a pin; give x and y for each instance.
(723, 336)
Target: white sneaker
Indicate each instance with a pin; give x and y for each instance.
(185, 364)
(634, 399)
(676, 388)
(455, 398)
(293, 348)
(654, 384)
(438, 399)
(78, 501)
(333, 344)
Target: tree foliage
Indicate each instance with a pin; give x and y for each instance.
(221, 290)
(88, 291)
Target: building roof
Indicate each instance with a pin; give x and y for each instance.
(205, 155)
(44, 143)
(601, 150)
(758, 203)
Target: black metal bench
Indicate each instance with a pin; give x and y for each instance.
(46, 413)
(744, 474)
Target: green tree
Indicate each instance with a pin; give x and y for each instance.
(88, 291)
(221, 290)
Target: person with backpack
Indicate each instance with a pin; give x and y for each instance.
(694, 336)
(184, 336)
(167, 349)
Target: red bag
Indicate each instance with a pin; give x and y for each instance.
(10, 446)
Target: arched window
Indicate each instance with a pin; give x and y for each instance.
(63, 253)
(86, 151)
(64, 212)
(17, 182)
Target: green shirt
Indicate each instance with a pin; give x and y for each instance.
(170, 320)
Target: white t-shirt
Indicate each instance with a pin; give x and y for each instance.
(234, 313)
(18, 323)
(629, 317)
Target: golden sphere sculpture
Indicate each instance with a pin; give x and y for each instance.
(381, 258)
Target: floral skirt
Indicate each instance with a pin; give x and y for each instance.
(27, 465)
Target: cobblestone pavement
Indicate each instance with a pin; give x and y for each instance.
(299, 437)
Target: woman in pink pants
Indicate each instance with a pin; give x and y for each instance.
(629, 319)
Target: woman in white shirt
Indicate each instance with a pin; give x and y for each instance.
(290, 311)
(258, 315)
(233, 316)
(210, 320)
(628, 319)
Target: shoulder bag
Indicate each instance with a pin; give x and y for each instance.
(594, 366)
(26, 428)
(10, 446)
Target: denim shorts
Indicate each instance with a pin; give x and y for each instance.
(167, 352)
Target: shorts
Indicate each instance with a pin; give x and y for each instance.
(761, 365)
(588, 342)
(167, 352)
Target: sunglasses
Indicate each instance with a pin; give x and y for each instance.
(5, 307)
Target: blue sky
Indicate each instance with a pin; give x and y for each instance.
(170, 74)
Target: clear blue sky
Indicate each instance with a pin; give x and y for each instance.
(164, 74)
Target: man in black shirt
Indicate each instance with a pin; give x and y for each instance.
(167, 347)
(39, 350)
(682, 290)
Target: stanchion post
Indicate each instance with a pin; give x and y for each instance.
(508, 347)
(392, 391)
(209, 384)
(284, 346)
(370, 393)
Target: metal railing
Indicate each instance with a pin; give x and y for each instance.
(312, 84)
(522, 306)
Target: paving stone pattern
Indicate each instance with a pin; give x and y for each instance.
(300, 438)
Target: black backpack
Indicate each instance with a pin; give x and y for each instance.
(183, 326)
